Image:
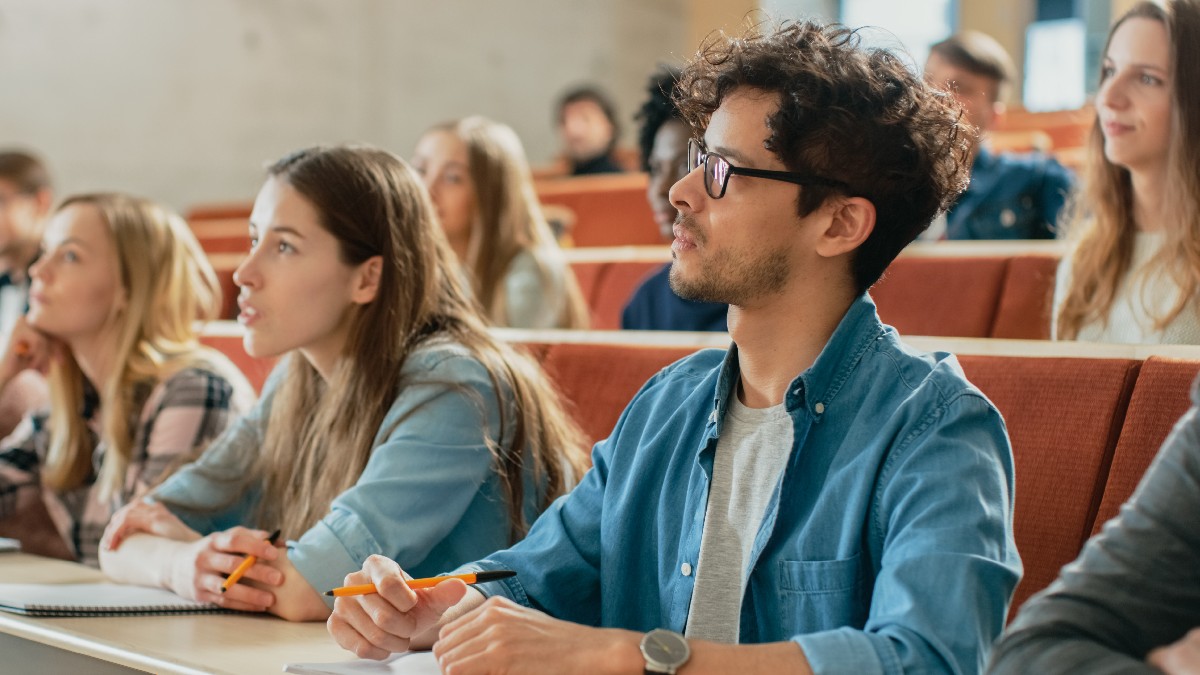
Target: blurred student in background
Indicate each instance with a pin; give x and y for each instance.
(396, 424)
(663, 139)
(1010, 196)
(481, 186)
(114, 302)
(26, 198)
(1134, 268)
(587, 123)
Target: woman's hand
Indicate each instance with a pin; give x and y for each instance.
(198, 570)
(148, 517)
(28, 348)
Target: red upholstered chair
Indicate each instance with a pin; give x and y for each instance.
(1159, 399)
(1063, 417)
(1026, 298)
(944, 296)
(615, 286)
(223, 234)
(224, 264)
(589, 274)
(598, 381)
(610, 210)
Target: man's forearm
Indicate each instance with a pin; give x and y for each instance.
(710, 658)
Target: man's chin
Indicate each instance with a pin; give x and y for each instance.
(688, 289)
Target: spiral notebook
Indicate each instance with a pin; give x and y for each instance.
(95, 600)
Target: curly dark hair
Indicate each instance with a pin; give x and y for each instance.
(855, 115)
(659, 109)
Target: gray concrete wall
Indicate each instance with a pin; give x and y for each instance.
(185, 100)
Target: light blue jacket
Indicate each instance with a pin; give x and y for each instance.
(430, 496)
(887, 545)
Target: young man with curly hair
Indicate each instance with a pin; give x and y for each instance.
(819, 498)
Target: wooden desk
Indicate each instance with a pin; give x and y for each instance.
(202, 643)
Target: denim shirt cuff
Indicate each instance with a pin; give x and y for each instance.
(844, 650)
(322, 559)
(510, 588)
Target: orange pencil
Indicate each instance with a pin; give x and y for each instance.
(475, 578)
(245, 566)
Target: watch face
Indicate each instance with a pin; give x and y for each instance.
(665, 648)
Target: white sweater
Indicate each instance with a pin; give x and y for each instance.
(1140, 299)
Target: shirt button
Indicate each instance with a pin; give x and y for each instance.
(686, 569)
(819, 407)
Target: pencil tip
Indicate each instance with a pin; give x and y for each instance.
(329, 593)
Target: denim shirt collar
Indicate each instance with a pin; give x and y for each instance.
(817, 387)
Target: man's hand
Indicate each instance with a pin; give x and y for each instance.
(375, 625)
(504, 637)
(1180, 658)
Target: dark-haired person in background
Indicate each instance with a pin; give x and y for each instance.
(821, 492)
(587, 122)
(1011, 196)
(26, 196)
(663, 139)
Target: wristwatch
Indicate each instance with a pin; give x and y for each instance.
(665, 651)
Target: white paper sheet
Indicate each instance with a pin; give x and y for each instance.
(406, 663)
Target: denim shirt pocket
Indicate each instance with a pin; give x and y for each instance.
(817, 595)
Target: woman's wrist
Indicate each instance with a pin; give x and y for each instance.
(180, 566)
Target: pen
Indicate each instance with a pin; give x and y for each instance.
(474, 578)
(246, 565)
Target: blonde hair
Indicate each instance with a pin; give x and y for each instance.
(320, 434)
(509, 220)
(1101, 219)
(168, 286)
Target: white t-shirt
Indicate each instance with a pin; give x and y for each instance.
(751, 454)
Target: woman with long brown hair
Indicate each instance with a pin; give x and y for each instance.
(113, 309)
(396, 424)
(482, 188)
(1134, 270)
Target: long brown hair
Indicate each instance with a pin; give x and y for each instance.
(169, 286)
(1101, 219)
(509, 220)
(320, 434)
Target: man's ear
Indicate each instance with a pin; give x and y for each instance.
(852, 221)
(44, 199)
(366, 280)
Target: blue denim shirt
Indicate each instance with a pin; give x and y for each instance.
(430, 496)
(887, 543)
(1010, 197)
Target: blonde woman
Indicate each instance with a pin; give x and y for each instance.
(1134, 271)
(113, 307)
(395, 425)
(481, 186)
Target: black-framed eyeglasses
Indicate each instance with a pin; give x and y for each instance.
(717, 171)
